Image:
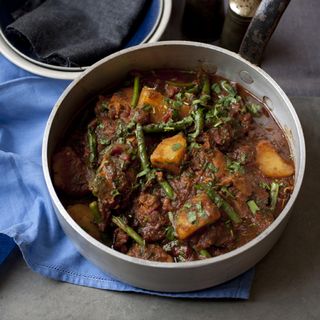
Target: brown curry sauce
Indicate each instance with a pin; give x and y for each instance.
(196, 167)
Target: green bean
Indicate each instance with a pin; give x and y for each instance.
(128, 230)
(142, 148)
(95, 211)
(253, 206)
(206, 86)
(204, 253)
(169, 126)
(136, 91)
(92, 142)
(221, 203)
(205, 93)
(199, 123)
(180, 84)
(274, 191)
(167, 188)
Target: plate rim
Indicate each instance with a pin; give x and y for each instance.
(64, 73)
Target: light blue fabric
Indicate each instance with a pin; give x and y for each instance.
(26, 213)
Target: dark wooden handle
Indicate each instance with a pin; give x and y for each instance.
(261, 28)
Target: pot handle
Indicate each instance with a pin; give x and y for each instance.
(261, 28)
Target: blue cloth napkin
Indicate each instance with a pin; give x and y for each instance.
(26, 213)
(6, 246)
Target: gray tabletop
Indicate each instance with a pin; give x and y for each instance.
(286, 284)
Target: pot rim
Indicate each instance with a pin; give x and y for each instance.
(189, 264)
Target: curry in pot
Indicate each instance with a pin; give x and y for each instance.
(174, 166)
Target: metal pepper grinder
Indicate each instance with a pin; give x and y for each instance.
(237, 20)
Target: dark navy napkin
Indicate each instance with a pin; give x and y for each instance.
(6, 246)
(73, 32)
(26, 213)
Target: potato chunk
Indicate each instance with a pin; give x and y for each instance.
(195, 214)
(154, 99)
(270, 162)
(82, 214)
(220, 164)
(169, 153)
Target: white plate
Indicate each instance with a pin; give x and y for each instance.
(65, 73)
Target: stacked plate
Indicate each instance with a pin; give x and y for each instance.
(149, 30)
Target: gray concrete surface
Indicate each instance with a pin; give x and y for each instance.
(286, 284)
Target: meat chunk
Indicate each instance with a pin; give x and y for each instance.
(181, 251)
(222, 135)
(120, 239)
(204, 239)
(243, 185)
(245, 122)
(171, 91)
(113, 182)
(120, 104)
(105, 132)
(243, 154)
(225, 235)
(151, 220)
(141, 115)
(151, 252)
(183, 184)
(69, 173)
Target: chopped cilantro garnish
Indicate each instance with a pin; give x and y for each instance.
(170, 233)
(228, 87)
(169, 246)
(192, 217)
(216, 88)
(104, 141)
(234, 166)
(264, 185)
(202, 213)
(177, 104)
(147, 107)
(254, 108)
(179, 96)
(242, 158)
(194, 145)
(187, 205)
(226, 191)
(143, 173)
(212, 167)
(104, 106)
(115, 192)
(176, 146)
